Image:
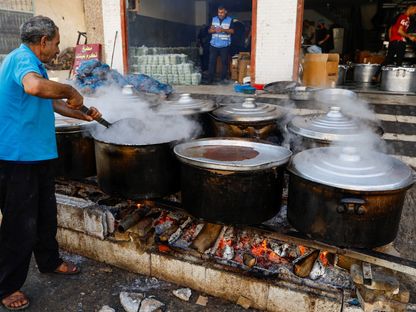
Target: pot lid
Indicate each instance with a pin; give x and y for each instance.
(249, 111)
(186, 105)
(232, 154)
(64, 124)
(394, 68)
(366, 64)
(332, 126)
(332, 97)
(346, 168)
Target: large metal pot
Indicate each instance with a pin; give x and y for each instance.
(75, 148)
(335, 96)
(398, 79)
(191, 108)
(249, 120)
(137, 171)
(320, 130)
(365, 72)
(233, 181)
(346, 198)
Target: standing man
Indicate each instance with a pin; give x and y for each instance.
(324, 38)
(398, 35)
(221, 30)
(27, 152)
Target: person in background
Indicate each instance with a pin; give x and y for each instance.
(238, 38)
(221, 30)
(397, 37)
(323, 37)
(204, 39)
(308, 32)
(27, 152)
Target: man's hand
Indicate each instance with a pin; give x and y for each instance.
(93, 114)
(412, 38)
(75, 101)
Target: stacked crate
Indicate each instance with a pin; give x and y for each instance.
(166, 66)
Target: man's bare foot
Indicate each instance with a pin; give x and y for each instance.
(16, 301)
(67, 268)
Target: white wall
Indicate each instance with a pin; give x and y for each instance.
(112, 23)
(67, 15)
(276, 27)
(181, 11)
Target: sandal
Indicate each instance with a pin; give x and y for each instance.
(69, 268)
(14, 298)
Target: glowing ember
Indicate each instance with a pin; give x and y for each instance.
(302, 250)
(261, 249)
(323, 257)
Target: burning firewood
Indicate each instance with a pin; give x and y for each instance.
(144, 226)
(303, 265)
(175, 236)
(168, 233)
(207, 237)
(133, 218)
(249, 260)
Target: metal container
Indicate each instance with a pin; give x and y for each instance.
(302, 93)
(235, 181)
(342, 74)
(398, 79)
(249, 120)
(335, 96)
(194, 109)
(365, 72)
(76, 157)
(320, 130)
(346, 198)
(137, 171)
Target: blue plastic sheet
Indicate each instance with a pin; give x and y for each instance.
(93, 74)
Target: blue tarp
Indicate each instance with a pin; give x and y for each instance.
(93, 74)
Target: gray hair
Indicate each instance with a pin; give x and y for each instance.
(35, 28)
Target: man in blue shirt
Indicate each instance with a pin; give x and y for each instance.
(28, 101)
(221, 30)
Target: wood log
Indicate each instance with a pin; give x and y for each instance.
(249, 260)
(144, 226)
(164, 237)
(303, 265)
(206, 237)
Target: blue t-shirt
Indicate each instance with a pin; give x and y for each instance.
(27, 122)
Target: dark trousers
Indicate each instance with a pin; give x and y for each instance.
(213, 54)
(396, 52)
(28, 206)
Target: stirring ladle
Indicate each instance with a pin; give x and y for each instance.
(101, 120)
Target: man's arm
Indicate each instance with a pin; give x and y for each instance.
(36, 85)
(62, 108)
(405, 34)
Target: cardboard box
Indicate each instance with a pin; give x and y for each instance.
(234, 68)
(367, 57)
(320, 70)
(243, 69)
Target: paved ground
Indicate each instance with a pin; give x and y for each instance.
(100, 284)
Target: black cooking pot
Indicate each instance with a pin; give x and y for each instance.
(348, 199)
(76, 157)
(249, 120)
(193, 109)
(232, 181)
(137, 171)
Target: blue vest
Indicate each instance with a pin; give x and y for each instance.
(221, 40)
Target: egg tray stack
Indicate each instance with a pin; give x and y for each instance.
(172, 68)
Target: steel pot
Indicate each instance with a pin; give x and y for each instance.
(137, 171)
(191, 108)
(365, 72)
(76, 157)
(342, 74)
(249, 120)
(320, 130)
(235, 181)
(398, 79)
(302, 93)
(345, 198)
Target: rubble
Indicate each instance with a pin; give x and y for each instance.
(183, 293)
(150, 305)
(131, 301)
(202, 301)
(106, 308)
(244, 302)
